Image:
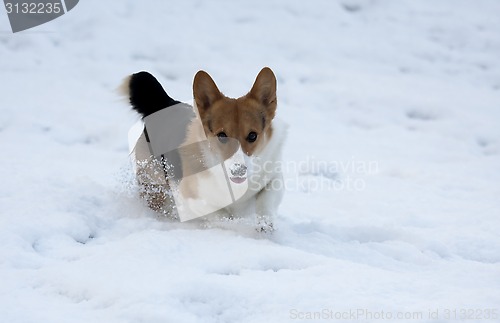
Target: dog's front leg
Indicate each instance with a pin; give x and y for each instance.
(268, 200)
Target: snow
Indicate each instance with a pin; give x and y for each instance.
(393, 109)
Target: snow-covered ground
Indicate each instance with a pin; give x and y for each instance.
(392, 199)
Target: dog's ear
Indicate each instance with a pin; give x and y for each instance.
(145, 93)
(264, 88)
(205, 91)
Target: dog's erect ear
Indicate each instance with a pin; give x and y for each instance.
(264, 88)
(146, 94)
(205, 91)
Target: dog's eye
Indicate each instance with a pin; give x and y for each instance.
(252, 136)
(222, 137)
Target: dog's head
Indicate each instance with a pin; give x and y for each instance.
(247, 119)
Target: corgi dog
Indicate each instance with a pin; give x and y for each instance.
(246, 124)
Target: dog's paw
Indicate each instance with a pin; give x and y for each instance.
(264, 225)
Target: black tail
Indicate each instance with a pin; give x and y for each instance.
(146, 94)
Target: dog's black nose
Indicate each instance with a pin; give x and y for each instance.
(238, 170)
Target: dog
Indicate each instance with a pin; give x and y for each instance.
(248, 120)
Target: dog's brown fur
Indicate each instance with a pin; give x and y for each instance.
(252, 112)
(235, 117)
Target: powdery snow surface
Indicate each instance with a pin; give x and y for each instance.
(393, 157)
